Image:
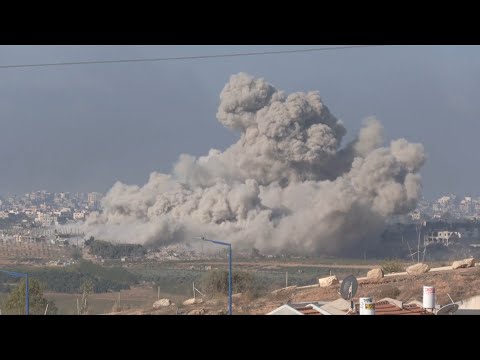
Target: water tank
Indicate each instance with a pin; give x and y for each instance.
(367, 306)
(428, 297)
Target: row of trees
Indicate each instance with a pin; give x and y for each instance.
(108, 250)
(71, 279)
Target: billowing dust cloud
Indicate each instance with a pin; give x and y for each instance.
(287, 184)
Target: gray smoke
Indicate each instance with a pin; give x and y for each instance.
(285, 184)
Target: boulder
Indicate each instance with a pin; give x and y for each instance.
(375, 274)
(196, 312)
(213, 302)
(284, 291)
(161, 303)
(465, 263)
(192, 301)
(418, 269)
(328, 281)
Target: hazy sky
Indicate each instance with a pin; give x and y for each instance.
(81, 128)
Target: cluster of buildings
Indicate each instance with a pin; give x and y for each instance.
(45, 209)
(447, 207)
(35, 216)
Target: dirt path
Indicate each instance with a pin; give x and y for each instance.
(280, 264)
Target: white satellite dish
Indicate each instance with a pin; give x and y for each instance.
(349, 287)
(447, 309)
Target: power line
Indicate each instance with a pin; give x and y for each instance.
(190, 57)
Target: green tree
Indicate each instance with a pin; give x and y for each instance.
(90, 240)
(87, 289)
(76, 254)
(256, 253)
(15, 304)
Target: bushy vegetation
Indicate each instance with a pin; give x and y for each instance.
(71, 279)
(76, 253)
(392, 266)
(216, 282)
(108, 250)
(389, 291)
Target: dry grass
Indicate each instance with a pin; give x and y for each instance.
(393, 266)
(24, 250)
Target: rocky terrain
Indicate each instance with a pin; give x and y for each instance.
(460, 283)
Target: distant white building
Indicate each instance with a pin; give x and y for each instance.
(93, 200)
(442, 237)
(444, 200)
(466, 204)
(79, 215)
(45, 219)
(415, 215)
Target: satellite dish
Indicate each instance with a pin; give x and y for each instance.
(447, 309)
(349, 287)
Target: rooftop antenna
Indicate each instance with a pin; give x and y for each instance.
(453, 302)
(348, 289)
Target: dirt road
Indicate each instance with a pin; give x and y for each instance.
(281, 264)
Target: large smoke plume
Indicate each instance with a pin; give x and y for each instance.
(287, 184)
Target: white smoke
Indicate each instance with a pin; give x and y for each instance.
(286, 184)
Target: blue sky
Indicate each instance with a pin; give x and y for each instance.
(81, 128)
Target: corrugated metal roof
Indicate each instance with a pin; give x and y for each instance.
(309, 311)
(385, 307)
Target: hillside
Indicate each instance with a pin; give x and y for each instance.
(459, 284)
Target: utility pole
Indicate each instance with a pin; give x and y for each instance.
(418, 245)
(229, 252)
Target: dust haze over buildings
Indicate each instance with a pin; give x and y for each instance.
(288, 183)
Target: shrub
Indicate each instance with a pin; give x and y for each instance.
(389, 292)
(216, 282)
(392, 266)
(76, 254)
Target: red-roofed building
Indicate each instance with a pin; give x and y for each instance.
(385, 306)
